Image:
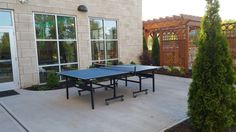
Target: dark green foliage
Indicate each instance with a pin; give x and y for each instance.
(145, 58)
(120, 63)
(92, 66)
(211, 94)
(133, 63)
(156, 52)
(52, 80)
(39, 88)
(145, 47)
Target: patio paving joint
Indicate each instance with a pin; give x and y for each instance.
(13, 117)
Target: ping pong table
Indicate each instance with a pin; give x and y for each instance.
(114, 73)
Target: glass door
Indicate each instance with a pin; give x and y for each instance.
(8, 61)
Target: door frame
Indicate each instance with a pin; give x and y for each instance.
(15, 84)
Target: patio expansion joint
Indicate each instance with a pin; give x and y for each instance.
(13, 117)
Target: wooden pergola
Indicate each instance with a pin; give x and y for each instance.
(229, 29)
(174, 36)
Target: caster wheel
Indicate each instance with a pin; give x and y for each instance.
(106, 89)
(134, 96)
(122, 99)
(146, 92)
(107, 103)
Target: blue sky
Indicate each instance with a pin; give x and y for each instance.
(162, 8)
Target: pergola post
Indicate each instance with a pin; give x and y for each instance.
(186, 48)
(161, 48)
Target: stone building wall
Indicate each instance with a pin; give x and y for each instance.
(127, 13)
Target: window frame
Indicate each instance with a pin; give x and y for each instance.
(104, 40)
(57, 40)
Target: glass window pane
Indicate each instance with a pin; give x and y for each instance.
(112, 49)
(44, 70)
(68, 51)
(98, 63)
(6, 74)
(47, 52)
(112, 62)
(110, 29)
(66, 27)
(98, 50)
(96, 29)
(45, 26)
(5, 50)
(5, 18)
(69, 67)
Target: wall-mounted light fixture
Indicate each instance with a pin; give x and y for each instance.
(82, 8)
(23, 1)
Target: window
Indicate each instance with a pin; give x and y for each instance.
(104, 42)
(56, 43)
(6, 19)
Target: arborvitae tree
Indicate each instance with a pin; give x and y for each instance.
(211, 94)
(145, 57)
(145, 47)
(156, 52)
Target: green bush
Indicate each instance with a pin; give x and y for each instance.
(170, 68)
(52, 80)
(120, 63)
(133, 63)
(145, 58)
(156, 52)
(182, 70)
(212, 97)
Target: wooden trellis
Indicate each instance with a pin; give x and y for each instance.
(229, 29)
(173, 33)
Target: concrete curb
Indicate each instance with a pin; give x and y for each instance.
(173, 124)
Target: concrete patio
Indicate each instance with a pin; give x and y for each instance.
(49, 111)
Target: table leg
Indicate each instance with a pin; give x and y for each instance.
(140, 83)
(67, 88)
(126, 81)
(114, 86)
(114, 93)
(91, 92)
(140, 88)
(153, 81)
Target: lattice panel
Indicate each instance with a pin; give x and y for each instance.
(229, 30)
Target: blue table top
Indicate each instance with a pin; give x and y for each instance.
(95, 73)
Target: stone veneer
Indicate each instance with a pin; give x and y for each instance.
(127, 12)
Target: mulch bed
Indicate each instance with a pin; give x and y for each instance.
(186, 126)
(45, 87)
(166, 72)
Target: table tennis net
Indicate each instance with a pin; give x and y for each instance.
(120, 68)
